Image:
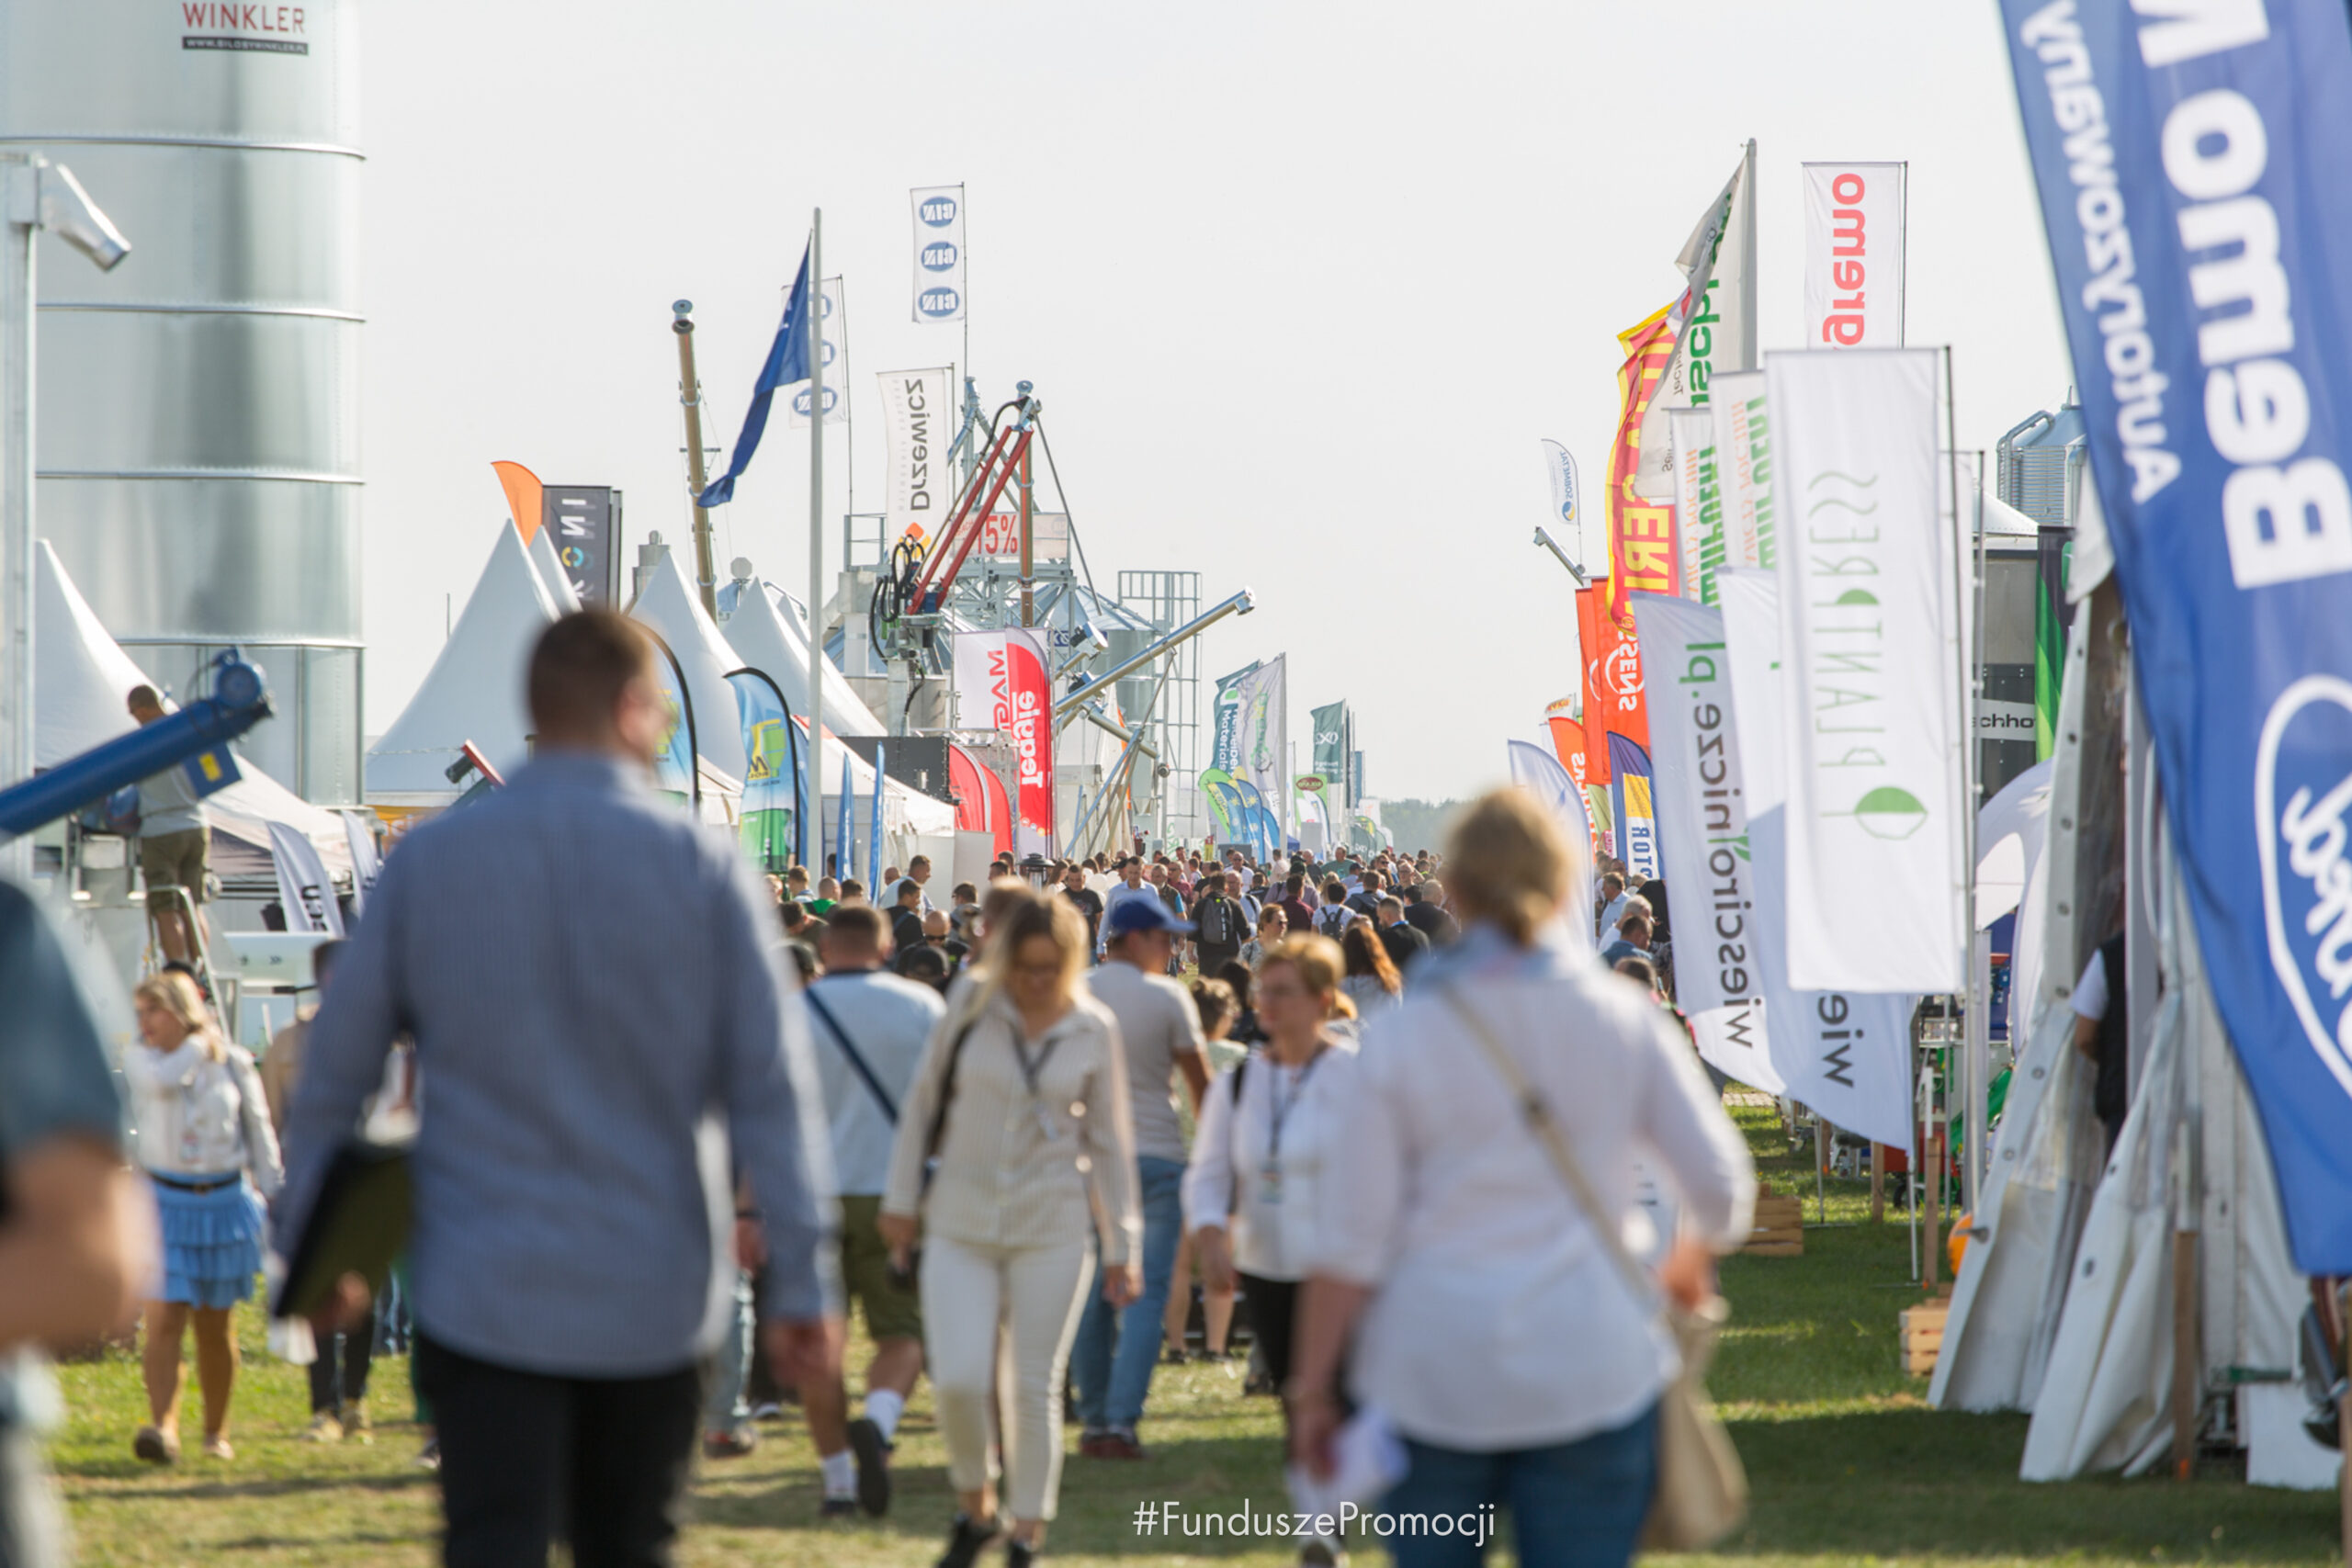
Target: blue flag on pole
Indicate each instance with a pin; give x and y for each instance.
(2189, 163)
(788, 364)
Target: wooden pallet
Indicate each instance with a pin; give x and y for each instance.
(1779, 1227)
(1922, 1332)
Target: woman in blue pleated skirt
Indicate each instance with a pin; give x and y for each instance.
(206, 1143)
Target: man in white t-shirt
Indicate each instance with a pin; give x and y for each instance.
(1112, 1360)
(867, 1030)
(1130, 884)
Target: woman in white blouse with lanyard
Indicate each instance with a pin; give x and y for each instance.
(206, 1142)
(1021, 1100)
(1491, 1322)
(1255, 1190)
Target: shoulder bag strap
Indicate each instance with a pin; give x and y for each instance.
(947, 1096)
(857, 1057)
(1538, 1116)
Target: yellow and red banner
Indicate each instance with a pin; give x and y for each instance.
(1640, 533)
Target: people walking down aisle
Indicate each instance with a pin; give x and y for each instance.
(572, 1244)
(869, 1028)
(1019, 1184)
(1218, 1008)
(1371, 982)
(1159, 1032)
(78, 1226)
(206, 1141)
(1447, 1196)
(1270, 1131)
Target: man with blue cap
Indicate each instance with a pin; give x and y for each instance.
(1160, 1031)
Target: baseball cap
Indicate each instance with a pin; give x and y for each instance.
(1131, 915)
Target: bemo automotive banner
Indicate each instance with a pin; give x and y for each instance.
(2190, 158)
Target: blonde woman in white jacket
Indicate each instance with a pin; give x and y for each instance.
(1021, 1100)
(206, 1142)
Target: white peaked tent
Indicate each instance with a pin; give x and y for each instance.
(769, 639)
(2063, 1305)
(474, 691)
(670, 606)
(551, 573)
(766, 637)
(80, 678)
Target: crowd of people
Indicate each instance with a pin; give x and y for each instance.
(1013, 1127)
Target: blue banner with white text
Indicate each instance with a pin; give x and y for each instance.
(2189, 157)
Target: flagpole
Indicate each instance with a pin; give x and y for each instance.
(813, 304)
(1747, 345)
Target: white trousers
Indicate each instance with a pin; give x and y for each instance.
(1038, 1294)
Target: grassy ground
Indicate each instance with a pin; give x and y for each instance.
(1847, 1463)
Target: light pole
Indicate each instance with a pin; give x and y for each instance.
(1543, 541)
(37, 194)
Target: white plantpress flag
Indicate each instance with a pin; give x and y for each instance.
(1846, 1054)
(1877, 888)
(1702, 835)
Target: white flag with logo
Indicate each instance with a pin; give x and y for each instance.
(1702, 835)
(1870, 653)
(1845, 1054)
(304, 889)
(1535, 770)
(1853, 255)
(1568, 509)
(1742, 442)
(364, 863)
(919, 412)
(939, 253)
(1698, 503)
(832, 341)
(1714, 323)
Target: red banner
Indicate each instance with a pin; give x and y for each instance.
(1567, 737)
(1640, 533)
(1006, 672)
(1614, 703)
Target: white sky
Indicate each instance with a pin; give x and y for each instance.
(1301, 285)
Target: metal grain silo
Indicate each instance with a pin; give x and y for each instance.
(198, 409)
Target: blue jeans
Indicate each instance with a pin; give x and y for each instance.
(1577, 1505)
(1112, 1361)
(725, 1410)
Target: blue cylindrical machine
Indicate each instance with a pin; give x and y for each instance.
(198, 408)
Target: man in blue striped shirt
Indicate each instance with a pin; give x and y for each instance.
(605, 1041)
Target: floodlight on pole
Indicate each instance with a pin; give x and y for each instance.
(1544, 540)
(35, 194)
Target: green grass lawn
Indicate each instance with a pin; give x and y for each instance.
(1847, 1463)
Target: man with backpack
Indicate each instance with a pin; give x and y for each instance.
(1222, 924)
(1334, 918)
(868, 1029)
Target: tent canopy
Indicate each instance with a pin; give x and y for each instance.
(80, 678)
(675, 612)
(475, 689)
